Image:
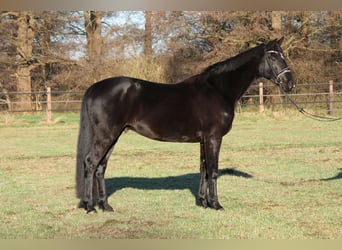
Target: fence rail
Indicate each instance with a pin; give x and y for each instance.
(322, 98)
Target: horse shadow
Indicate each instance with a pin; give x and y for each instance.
(338, 176)
(187, 181)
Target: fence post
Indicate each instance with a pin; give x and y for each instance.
(331, 97)
(261, 97)
(48, 104)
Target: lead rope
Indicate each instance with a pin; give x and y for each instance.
(312, 116)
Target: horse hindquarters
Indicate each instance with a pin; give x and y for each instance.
(93, 150)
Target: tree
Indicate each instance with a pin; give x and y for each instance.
(8, 51)
(276, 20)
(24, 41)
(148, 35)
(92, 22)
(70, 50)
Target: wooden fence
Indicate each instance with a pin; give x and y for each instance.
(322, 98)
(330, 96)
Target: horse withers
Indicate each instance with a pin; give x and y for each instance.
(199, 109)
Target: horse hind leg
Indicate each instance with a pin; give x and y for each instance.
(101, 186)
(94, 168)
(89, 187)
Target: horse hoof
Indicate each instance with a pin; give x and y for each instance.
(107, 208)
(91, 210)
(203, 202)
(216, 205)
(81, 205)
(219, 208)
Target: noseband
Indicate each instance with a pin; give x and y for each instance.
(276, 75)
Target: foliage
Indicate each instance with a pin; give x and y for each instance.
(71, 50)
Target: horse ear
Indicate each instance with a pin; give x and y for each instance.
(280, 41)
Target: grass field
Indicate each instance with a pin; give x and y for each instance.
(280, 177)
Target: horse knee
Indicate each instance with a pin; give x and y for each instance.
(89, 167)
(214, 175)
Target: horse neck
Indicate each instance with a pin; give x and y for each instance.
(233, 82)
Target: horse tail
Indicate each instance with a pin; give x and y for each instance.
(83, 148)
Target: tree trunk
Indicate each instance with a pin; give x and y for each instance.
(148, 35)
(92, 22)
(24, 51)
(48, 27)
(276, 20)
(277, 28)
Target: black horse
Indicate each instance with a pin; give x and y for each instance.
(198, 109)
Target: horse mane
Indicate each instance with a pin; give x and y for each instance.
(234, 62)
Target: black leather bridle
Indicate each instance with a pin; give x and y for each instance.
(277, 81)
(276, 75)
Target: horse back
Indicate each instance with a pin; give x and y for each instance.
(167, 112)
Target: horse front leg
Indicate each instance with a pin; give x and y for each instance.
(212, 148)
(202, 192)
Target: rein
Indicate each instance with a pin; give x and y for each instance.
(299, 108)
(310, 115)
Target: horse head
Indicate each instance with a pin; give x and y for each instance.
(274, 66)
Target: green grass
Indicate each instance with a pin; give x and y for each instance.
(280, 178)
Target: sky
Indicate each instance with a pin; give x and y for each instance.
(115, 19)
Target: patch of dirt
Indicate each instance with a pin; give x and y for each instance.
(122, 229)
